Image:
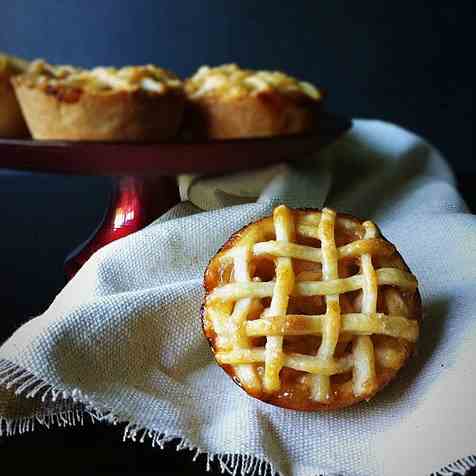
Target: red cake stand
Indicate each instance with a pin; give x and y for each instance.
(144, 174)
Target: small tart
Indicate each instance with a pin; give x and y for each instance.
(310, 309)
(12, 124)
(132, 103)
(230, 102)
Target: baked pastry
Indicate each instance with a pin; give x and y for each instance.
(12, 124)
(228, 102)
(310, 310)
(135, 103)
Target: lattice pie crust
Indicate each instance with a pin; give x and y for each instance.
(310, 310)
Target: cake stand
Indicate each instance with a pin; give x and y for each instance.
(144, 174)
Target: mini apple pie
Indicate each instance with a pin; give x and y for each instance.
(12, 124)
(134, 103)
(228, 102)
(310, 310)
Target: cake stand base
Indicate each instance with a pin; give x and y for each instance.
(135, 203)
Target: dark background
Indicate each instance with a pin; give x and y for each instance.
(404, 62)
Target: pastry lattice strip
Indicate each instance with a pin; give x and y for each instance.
(274, 356)
(320, 384)
(385, 276)
(364, 375)
(245, 372)
(351, 323)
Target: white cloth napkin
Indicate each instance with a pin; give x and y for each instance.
(123, 339)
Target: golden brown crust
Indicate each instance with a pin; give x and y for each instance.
(12, 123)
(103, 104)
(291, 395)
(263, 115)
(246, 103)
(119, 116)
(101, 79)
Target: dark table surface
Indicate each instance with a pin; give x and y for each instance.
(36, 236)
